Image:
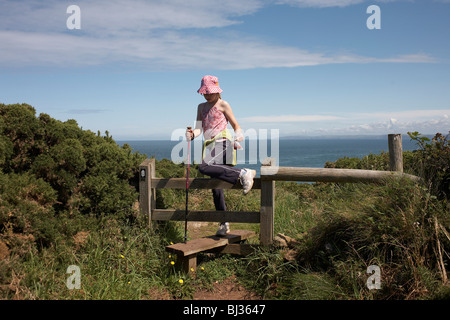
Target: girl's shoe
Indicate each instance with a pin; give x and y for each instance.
(247, 180)
(224, 229)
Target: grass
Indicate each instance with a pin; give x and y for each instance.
(66, 199)
(341, 229)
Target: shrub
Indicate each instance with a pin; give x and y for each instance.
(88, 172)
(400, 227)
(26, 209)
(432, 162)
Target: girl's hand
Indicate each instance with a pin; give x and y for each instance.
(238, 136)
(189, 134)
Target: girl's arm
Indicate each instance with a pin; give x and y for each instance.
(198, 125)
(226, 109)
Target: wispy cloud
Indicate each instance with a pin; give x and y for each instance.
(424, 121)
(392, 125)
(105, 17)
(320, 3)
(404, 115)
(290, 118)
(152, 35)
(332, 3)
(167, 50)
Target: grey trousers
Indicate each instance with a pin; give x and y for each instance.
(214, 165)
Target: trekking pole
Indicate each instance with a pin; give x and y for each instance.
(187, 188)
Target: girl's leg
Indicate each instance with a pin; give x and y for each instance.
(221, 171)
(214, 164)
(219, 199)
(219, 202)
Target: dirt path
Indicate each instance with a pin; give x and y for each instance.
(201, 229)
(228, 289)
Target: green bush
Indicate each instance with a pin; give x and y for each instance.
(432, 162)
(89, 172)
(50, 169)
(26, 209)
(393, 226)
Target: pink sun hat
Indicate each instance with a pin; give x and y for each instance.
(210, 84)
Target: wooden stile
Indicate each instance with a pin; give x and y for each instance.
(270, 173)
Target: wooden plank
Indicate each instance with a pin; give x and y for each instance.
(329, 175)
(267, 207)
(203, 244)
(240, 249)
(144, 187)
(210, 216)
(151, 191)
(198, 183)
(187, 264)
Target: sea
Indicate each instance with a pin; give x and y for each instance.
(289, 152)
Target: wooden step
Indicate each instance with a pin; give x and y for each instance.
(187, 252)
(207, 243)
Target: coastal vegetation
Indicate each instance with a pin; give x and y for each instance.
(68, 197)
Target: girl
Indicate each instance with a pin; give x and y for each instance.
(212, 118)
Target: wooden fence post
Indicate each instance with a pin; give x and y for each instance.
(395, 152)
(152, 193)
(147, 195)
(267, 207)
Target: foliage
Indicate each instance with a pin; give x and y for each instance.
(394, 229)
(374, 162)
(433, 162)
(67, 195)
(27, 209)
(50, 170)
(88, 172)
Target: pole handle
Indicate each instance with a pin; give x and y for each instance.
(190, 128)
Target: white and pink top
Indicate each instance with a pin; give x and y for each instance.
(213, 122)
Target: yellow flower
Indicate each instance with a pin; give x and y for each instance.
(122, 256)
(192, 269)
(172, 262)
(171, 242)
(170, 256)
(181, 281)
(203, 269)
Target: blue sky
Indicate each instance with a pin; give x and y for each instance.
(304, 67)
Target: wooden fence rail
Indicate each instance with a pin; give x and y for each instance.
(330, 175)
(269, 174)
